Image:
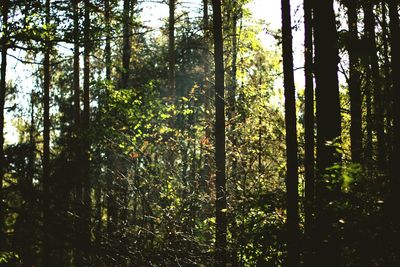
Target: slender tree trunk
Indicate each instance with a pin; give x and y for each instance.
(207, 92)
(233, 89)
(220, 180)
(309, 133)
(368, 104)
(126, 50)
(328, 129)
(27, 191)
(354, 85)
(77, 142)
(171, 48)
(110, 196)
(206, 65)
(4, 41)
(395, 172)
(388, 96)
(107, 51)
(292, 177)
(232, 92)
(47, 257)
(376, 81)
(86, 200)
(232, 120)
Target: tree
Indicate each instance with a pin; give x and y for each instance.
(395, 169)
(292, 177)
(220, 180)
(309, 164)
(126, 49)
(79, 257)
(171, 47)
(3, 89)
(328, 128)
(354, 84)
(86, 199)
(373, 62)
(47, 257)
(107, 50)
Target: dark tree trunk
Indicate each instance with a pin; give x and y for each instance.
(234, 175)
(233, 89)
(395, 172)
(292, 178)
(328, 130)
(27, 192)
(354, 84)
(47, 257)
(4, 41)
(220, 180)
(387, 84)
(86, 200)
(110, 196)
(77, 142)
(107, 51)
(206, 85)
(309, 133)
(171, 48)
(369, 20)
(126, 50)
(368, 118)
(207, 92)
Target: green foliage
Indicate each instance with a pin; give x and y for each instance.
(9, 259)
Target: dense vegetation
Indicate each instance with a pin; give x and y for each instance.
(191, 144)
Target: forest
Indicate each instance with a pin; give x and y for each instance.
(199, 136)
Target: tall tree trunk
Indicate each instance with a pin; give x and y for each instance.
(4, 41)
(207, 92)
(126, 50)
(328, 129)
(86, 200)
(354, 85)
(309, 133)
(234, 51)
(107, 50)
(27, 191)
(232, 121)
(233, 87)
(110, 196)
(220, 179)
(395, 172)
(292, 177)
(47, 257)
(388, 97)
(171, 48)
(77, 142)
(368, 118)
(369, 20)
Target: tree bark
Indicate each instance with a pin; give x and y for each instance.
(292, 178)
(387, 84)
(220, 180)
(4, 41)
(354, 85)
(369, 21)
(171, 48)
(207, 93)
(47, 257)
(309, 133)
(107, 50)
(328, 129)
(126, 50)
(86, 200)
(395, 55)
(78, 136)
